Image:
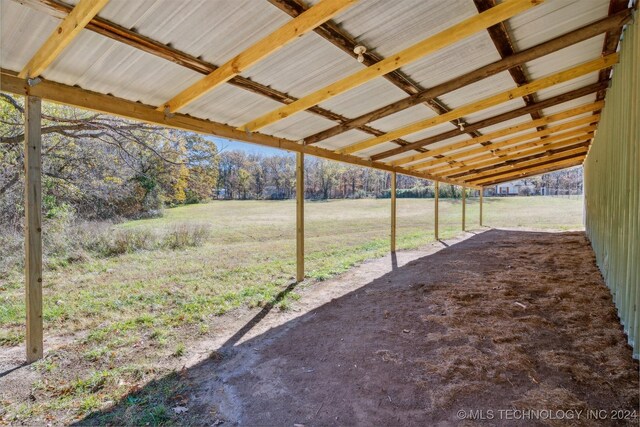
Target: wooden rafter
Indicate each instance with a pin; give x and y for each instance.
(554, 166)
(512, 154)
(511, 157)
(60, 38)
(499, 118)
(534, 160)
(64, 94)
(611, 40)
(346, 42)
(545, 82)
(432, 44)
(284, 35)
(498, 134)
(543, 164)
(473, 153)
(138, 41)
(535, 52)
(502, 41)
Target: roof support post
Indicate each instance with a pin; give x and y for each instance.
(33, 228)
(464, 207)
(435, 210)
(481, 191)
(299, 217)
(393, 211)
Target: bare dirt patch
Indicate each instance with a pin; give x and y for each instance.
(504, 320)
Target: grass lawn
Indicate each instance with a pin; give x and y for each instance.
(125, 314)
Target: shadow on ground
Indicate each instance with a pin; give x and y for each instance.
(504, 320)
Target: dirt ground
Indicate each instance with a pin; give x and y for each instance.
(495, 321)
(505, 320)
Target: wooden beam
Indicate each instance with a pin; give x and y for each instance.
(432, 44)
(511, 165)
(464, 207)
(33, 228)
(130, 38)
(284, 35)
(537, 171)
(488, 149)
(535, 52)
(495, 150)
(513, 157)
(340, 38)
(545, 82)
(560, 157)
(611, 40)
(435, 210)
(543, 168)
(531, 160)
(481, 195)
(393, 211)
(502, 41)
(64, 94)
(299, 217)
(494, 120)
(498, 134)
(64, 34)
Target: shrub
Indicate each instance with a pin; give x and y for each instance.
(121, 241)
(11, 250)
(186, 235)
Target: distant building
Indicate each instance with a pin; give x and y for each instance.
(514, 188)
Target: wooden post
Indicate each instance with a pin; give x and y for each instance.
(299, 217)
(435, 210)
(393, 211)
(33, 228)
(481, 191)
(464, 207)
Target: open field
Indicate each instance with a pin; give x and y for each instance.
(121, 321)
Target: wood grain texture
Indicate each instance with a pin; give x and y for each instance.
(545, 82)
(64, 94)
(299, 217)
(33, 228)
(64, 34)
(535, 52)
(432, 44)
(498, 134)
(275, 41)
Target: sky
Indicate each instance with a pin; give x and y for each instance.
(228, 145)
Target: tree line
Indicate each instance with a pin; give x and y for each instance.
(99, 167)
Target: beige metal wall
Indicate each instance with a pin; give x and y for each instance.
(612, 186)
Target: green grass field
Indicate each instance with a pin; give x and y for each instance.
(166, 298)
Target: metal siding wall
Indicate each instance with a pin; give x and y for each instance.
(612, 187)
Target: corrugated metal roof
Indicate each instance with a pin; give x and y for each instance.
(570, 104)
(344, 140)
(485, 88)
(368, 97)
(388, 28)
(404, 117)
(216, 30)
(15, 25)
(96, 63)
(565, 58)
(230, 105)
(514, 104)
(553, 18)
(432, 131)
(298, 126)
(303, 66)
